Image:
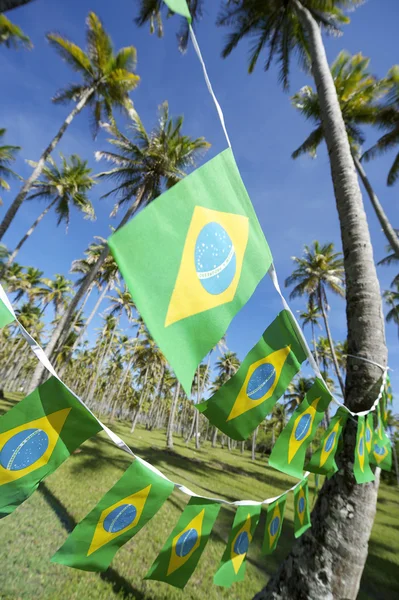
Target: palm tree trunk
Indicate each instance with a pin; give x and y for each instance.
(330, 340)
(199, 394)
(61, 330)
(387, 228)
(92, 389)
(141, 402)
(169, 432)
(29, 232)
(12, 211)
(317, 566)
(316, 354)
(254, 435)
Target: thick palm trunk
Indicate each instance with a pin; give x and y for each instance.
(13, 209)
(328, 560)
(330, 341)
(169, 432)
(387, 228)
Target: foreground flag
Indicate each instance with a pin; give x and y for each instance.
(180, 7)
(274, 525)
(6, 317)
(232, 567)
(323, 460)
(361, 467)
(36, 436)
(184, 547)
(380, 453)
(191, 261)
(243, 402)
(122, 512)
(289, 452)
(301, 509)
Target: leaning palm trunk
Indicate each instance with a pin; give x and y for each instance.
(62, 328)
(169, 432)
(330, 341)
(387, 228)
(328, 560)
(12, 211)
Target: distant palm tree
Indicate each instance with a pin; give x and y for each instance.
(62, 187)
(296, 392)
(11, 35)
(391, 259)
(311, 317)
(318, 270)
(392, 300)
(24, 282)
(107, 79)
(7, 156)
(56, 291)
(359, 94)
(324, 352)
(227, 365)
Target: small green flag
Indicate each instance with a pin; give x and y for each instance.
(361, 467)
(243, 402)
(120, 514)
(182, 551)
(233, 564)
(36, 436)
(301, 509)
(6, 317)
(180, 7)
(289, 452)
(380, 449)
(323, 460)
(191, 260)
(274, 525)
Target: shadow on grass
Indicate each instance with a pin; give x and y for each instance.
(119, 584)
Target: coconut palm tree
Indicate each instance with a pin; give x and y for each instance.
(391, 259)
(11, 35)
(146, 164)
(55, 291)
(7, 156)
(23, 283)
(62, 187)
(359, 94)
(324, 352)
(227, 365)
(106, 80)
(311, 317)
(318, 270)
(296, 392)
(281, 29)
(392, 301)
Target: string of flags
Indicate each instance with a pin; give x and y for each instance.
(216, 256)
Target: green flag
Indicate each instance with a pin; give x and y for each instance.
(380, 449)
(5, 316)
(184, 547)
(180, 7)
(120, 514)
(361, 467)
(36, 436)
(191, 260)
(323, 460)
(243, 402)
(232, 566)
(301, 509)
(274, 525)
(289, 452)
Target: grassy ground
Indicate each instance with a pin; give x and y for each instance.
(31, 535)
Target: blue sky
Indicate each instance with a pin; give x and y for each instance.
(294, 199)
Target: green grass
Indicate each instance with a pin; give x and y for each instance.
(31, 535)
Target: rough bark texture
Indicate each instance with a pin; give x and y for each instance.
(328, 560)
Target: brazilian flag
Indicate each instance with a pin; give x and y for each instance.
(180, 7)
(6, 317)
(274, 524)
(380, 448)
(183, 549)
(232, 567)
(361, 467)
(36, 436)
(243, 402)
(288, 454)
(120, 514)
(191, 260)
(301, 509)
(323, 460)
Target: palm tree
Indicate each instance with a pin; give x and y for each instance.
(24, 282)
(297, 391)
(318, 269)
(392, 300)
(389, 120)
(107, 79)
(56, 291)
(358, 94)
(145, 165)
(391, 259)
(324, 352)
(62, 187)
(7, 156)
(227, 365)
(11, 35)
(282, 29)
(311, 317)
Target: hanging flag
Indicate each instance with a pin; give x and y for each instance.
(301, 509)
(191, 260)
(232, 566)
(289, 452)
(274, 524)
(380, 452)
(183, 549)
(180, 7)
(323, 460)
(36, 436)
(361, 467)
(120, 514)
(243, 402)
(6, 317)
